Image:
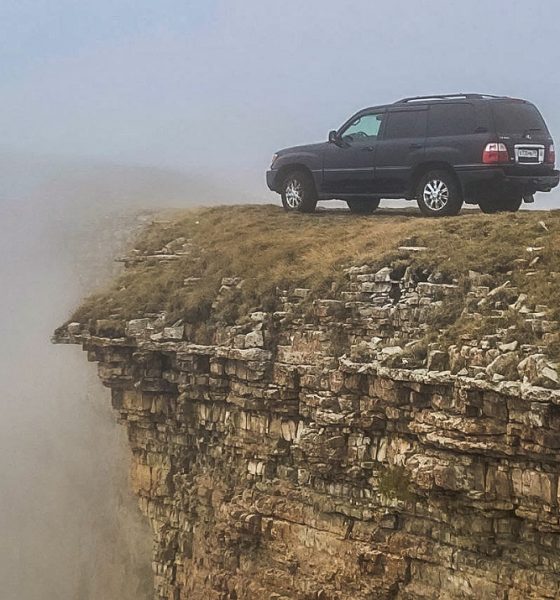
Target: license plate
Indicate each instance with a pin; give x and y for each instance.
(526, 153)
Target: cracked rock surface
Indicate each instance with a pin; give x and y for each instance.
(311, 454)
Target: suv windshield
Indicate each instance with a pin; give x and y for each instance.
(518, 118)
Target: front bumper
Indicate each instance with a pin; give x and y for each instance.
(484, 182)
(271, 179)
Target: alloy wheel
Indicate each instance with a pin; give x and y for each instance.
(436, 194)
(294, 193)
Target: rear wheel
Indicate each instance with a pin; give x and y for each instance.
(363, 207)
(438, 194)
(495, 205)
(298, 192)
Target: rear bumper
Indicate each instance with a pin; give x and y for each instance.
(539, 183)
(481, 182)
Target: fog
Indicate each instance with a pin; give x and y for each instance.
(70, 529)
(216, 86)
(112, 108)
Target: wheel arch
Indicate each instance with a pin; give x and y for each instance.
(420, 170)
(291, 168)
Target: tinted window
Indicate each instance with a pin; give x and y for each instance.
(517, 117)
(364, 128)
(406, 124)
(451, 119)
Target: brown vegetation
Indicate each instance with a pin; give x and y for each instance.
(270, 249)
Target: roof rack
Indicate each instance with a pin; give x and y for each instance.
(446, 97)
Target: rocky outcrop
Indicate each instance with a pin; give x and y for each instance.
(329, 450)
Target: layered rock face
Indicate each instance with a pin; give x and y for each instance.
(309, 454)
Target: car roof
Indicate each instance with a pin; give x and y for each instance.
(447, 98)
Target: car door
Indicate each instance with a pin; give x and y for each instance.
(348, 164)
(400, 148)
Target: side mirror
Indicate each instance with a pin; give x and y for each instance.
(333, 137)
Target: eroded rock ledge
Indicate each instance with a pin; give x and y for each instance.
(312, 453)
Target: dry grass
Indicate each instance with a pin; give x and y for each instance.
(268, 248)
(261, 244)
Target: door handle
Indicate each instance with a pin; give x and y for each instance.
(416, 146)
(368, 149)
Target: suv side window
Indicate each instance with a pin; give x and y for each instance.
(406, 124)
(451, 119)
(366, 128)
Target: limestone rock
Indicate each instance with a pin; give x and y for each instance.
(137, 327)
(509, 347)
(383, 275)
(73, 328)
(437, 360)
(254, 339)
(392, 350)
(504, 365)
(173, 333)
(456, 359)
(537, 370)
(326, 466)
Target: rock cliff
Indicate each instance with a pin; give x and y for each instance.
(391, 433)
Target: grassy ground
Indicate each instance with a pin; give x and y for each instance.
(269, 248)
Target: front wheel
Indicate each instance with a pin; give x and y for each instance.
(298, 192)
(438, 195)
(496, 205)
(363, 207)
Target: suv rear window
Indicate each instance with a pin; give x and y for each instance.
(451, 119)
(517, 118)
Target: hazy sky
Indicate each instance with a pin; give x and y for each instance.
(215, 84)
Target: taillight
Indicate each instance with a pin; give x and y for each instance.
(551, 155)
(495, 153)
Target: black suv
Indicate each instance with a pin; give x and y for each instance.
(440, 150)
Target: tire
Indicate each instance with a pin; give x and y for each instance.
(363, 207)
(495, 205)
(438, 194)
(298, 192)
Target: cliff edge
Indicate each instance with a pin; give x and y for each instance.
(328, 407)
